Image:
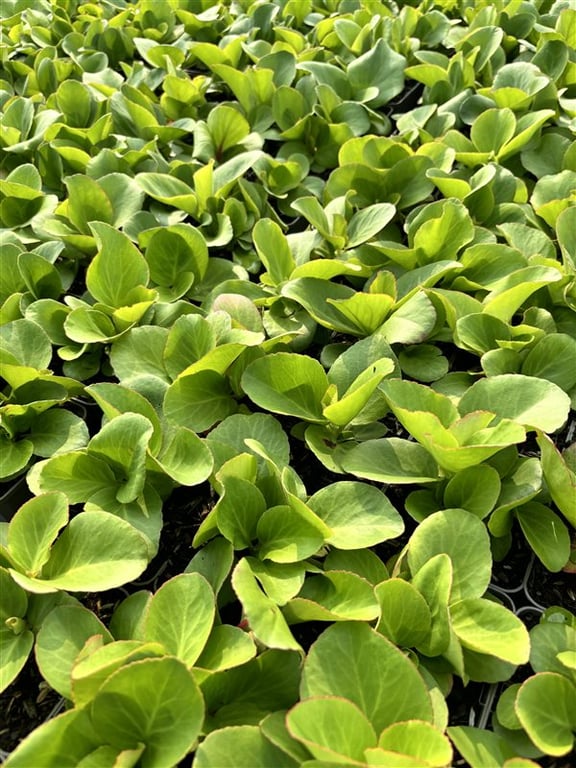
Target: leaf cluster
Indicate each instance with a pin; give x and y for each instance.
(313, 261)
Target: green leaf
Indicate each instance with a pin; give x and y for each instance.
(169, 190)
(240, 746)
(97, 551)
(75, 101)
(390, 460)
(313, 294)
(434, 582)
(28, 343)
(180, 616)
(34, 528)
(377, 757)
(14, 598)
(551, 358)
(184, 457)
(365, 311)
(486, 627)
(505, 709)
(287, 383)
(412, 323)
(479, 747)
(128, 618)
(535, 403)
(154, 702)
(463, 537)
(95, 665)
(229, 172)
(331, 728)
(508, 294)
(244, 314)
(419, 739)
(358, 358)
(342, 662)
(480, 332)
(288, 534)
(364, 74)
(265, 684)
(117, 269)
(140, 351)
(227, 128)
(198, 400)
(57, 431)
(475, 489)
(274, 728)
(280, 581)
(552, 195)
(41, 277)
(109, 757)
(14, 653)
(15, 456)
(546, 534)
(87, 326)
(87, 201)
(492, 130)
(440, 229)
(545, 706)
(190, 338)
(214, 562)
(114, 399)
(333, 596)
(405, 618)
(177, 257)
(351, 406)
(264, 616)
(61, 742)
(560, 478)
(548, 641)
(358, 515)
(238, 511)
(75, 474)
(61, 638)
(367, 222)
(226, 647)
(122, 444)
(423, 362)
(228, 438)
(273, 250)
(565, 224)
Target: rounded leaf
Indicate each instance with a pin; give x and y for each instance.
(180, 616)
(61, 638)
(287, 383)
(419, 739)
(532, 402)
(96, 551)
(546, 707)
(489, 628)
(405, 616)
(331, 728)
(342, 662)
(475, 489)
(463, 537)
(33, 529)
(359, 515)
(241, 746)
(155, 702)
